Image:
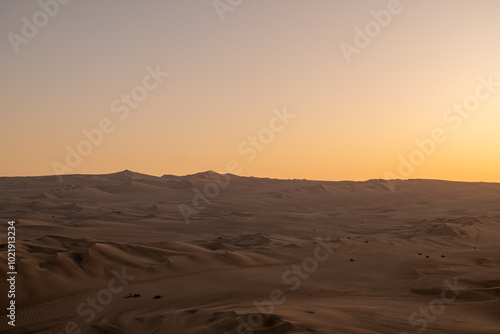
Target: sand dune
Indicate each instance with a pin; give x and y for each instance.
(429, 245)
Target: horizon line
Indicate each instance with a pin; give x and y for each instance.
(257, 177)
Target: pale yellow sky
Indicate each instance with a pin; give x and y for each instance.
(85, 65)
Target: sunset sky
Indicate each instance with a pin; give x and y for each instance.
(356, 115)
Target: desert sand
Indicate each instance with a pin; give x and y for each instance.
(265, 256)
